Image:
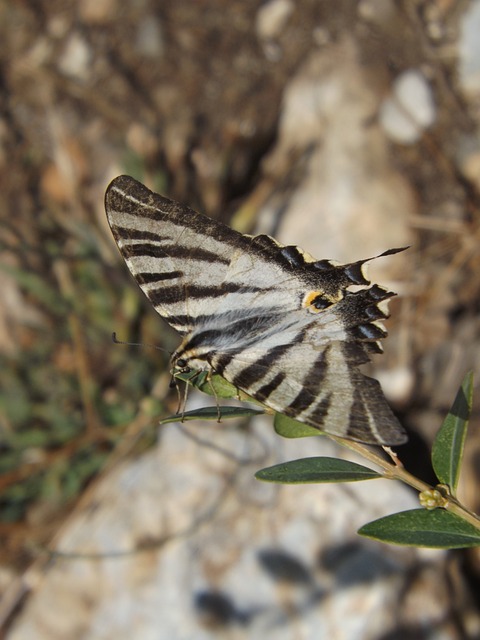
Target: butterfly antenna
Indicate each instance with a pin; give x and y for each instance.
(115, 340)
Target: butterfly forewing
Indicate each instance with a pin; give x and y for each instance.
(274, 322)
(177, 260)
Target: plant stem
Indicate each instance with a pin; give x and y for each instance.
(462, 512)
(397, 472)
(391, 471)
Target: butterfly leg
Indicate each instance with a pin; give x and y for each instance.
(214, 393)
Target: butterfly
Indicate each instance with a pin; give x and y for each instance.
(277, 324)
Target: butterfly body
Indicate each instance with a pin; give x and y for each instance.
(269, 318)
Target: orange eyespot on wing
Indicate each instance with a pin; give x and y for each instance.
(317, 301)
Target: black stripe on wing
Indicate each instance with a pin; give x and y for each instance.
(150, 277)
(175, 251)
(371, 418)
(178, 293)
(265, 391)
(254, 372)
(305, 399)
(239, 334)
(128, 233)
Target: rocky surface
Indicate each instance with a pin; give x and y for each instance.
(346, 131)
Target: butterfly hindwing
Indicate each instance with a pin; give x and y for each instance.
(273, 321)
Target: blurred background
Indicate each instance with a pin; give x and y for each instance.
(346, 127)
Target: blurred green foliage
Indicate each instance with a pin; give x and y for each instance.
(64, 360)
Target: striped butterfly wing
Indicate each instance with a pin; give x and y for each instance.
(274, 322)
(177, 256)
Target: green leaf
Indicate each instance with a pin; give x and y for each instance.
(308, 470)
(447, 451)
(213, 385)
(218, 387)
(290, 428)
(438, 529)
(212, 413)
(194, 377)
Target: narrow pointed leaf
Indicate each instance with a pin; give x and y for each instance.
(447, 451)
(438, 529)
(212, 413)
(315, 470)
(289, 428)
